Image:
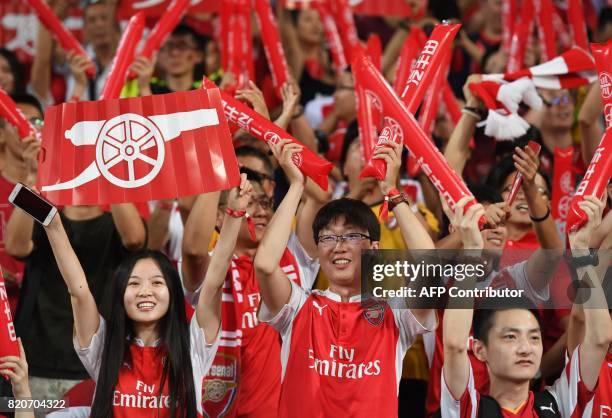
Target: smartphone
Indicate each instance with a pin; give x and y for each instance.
(32, 204)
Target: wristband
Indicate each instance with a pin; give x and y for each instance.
(384, 209)
(583, 261)
(239, 214)
(235, 213)
(541, 219)
(396, 200)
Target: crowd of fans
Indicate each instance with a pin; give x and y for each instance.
(97, 291)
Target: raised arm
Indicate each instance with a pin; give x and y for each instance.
(157, 224)
(130, 226)
(538, 268)
(208, 310)
(589, 123)
(84, 309)
(18, 234)
(457, 322)
(457, 150)
(597, 321)
(16, 369)
(274, 285)
(199, 228)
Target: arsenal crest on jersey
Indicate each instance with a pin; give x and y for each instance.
(220, 387)
(374, 313)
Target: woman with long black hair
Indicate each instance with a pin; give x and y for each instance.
(146, 359)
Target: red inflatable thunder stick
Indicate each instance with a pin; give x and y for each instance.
(313, 166)
(369, 116)
(518, 179)
(272, 44)
(603, 63)
(421, 78)
(508, 17)
(124, 57)
(236, 42)
(545, 11)
(412, 45)
(10, 112)
(8, 337)
(332, 36)
(346, 26)
(162, 29)
(520, 35)
(598, 174)
(401, 124)
(66, 40)
(575, 17)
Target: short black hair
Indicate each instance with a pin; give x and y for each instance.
(26, 98)
(249, 151)
(503, 169)
(484, 316)
(16, 70)
(354, 212)
(504, 148)
(183, 29)
(252, 175)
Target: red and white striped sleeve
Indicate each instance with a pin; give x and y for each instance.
(464, 407)
(569, 391)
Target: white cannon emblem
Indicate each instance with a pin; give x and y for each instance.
(124, 138)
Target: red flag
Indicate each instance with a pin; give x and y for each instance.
(139, 149)
(66, 39)
(575, 16)
(400, 124)
(123, 57)
(157, 8)
(10, 112)
(162, 29)
(261, 128)
(603, 62)
(8, 338)
(272, 44)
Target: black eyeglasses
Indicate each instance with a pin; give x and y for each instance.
(264, 202)
(557, 101)
(330, 240)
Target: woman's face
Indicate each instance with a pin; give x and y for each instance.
(147, 296)
(309, 27)
(7, 78)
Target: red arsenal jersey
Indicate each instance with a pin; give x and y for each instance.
(137, 393)
(569, 392)
(513, 277)
(341, 359)
(244, 379)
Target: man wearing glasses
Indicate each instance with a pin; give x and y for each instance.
(339, 357)
(245, 376)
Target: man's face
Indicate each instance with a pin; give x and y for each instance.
(341, 261)
(354, 161)
(179, 55)
(513, 351)
(7, 78)
(99, 26)
(519, 211)
(344, 97)
(559, 109)
(257, 165)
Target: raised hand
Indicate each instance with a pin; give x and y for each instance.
(144, 68)
(78, 66)
(16, 369)
(526, 162)
(593, 208)
(284, 152)
(466, 222)
(255, 98)
(393, 157)
(240, 196)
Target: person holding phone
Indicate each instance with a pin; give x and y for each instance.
(145, 358)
